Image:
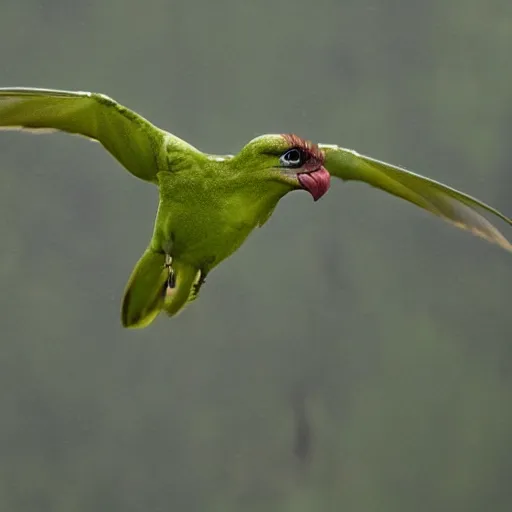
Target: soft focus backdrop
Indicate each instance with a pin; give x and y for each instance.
(355, 354)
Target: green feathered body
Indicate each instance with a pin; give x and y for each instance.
(205, 214)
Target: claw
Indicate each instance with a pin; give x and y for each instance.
(171, 278)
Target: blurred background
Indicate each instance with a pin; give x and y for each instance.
(355, 354)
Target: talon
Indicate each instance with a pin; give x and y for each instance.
(168, 266)
(170, 284)
(171, 280)
(200, 282)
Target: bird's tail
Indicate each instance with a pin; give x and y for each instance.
(145, 291)
(154, 287)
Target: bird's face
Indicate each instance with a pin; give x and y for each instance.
(289, 160)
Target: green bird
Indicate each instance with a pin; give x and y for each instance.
(210, 203)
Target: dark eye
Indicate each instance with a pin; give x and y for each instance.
(292, 158)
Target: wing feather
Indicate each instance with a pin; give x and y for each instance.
(132, 140)
(460, 209)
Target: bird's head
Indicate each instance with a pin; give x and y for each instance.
(287, 159)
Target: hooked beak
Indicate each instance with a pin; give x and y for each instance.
(316, 182)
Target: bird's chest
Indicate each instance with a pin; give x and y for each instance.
(201, 221)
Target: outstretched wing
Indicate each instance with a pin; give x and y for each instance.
(456, 207)
(131, 139)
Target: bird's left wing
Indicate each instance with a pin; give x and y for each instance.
(456, 207)
(131, 139)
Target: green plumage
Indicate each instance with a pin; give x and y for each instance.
(209, 204)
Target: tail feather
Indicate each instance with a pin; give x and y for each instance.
(145, 291)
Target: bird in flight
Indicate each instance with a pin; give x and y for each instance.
(208, 204)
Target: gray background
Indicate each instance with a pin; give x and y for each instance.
(388, 330)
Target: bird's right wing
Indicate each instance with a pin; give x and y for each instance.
(136, 143)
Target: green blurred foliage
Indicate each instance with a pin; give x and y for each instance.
(395, 326)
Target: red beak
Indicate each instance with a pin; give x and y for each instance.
(316, 183)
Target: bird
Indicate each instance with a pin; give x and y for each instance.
(209, 203)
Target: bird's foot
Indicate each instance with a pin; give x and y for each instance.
(171, 281)
(200, 282)
(170, 284)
